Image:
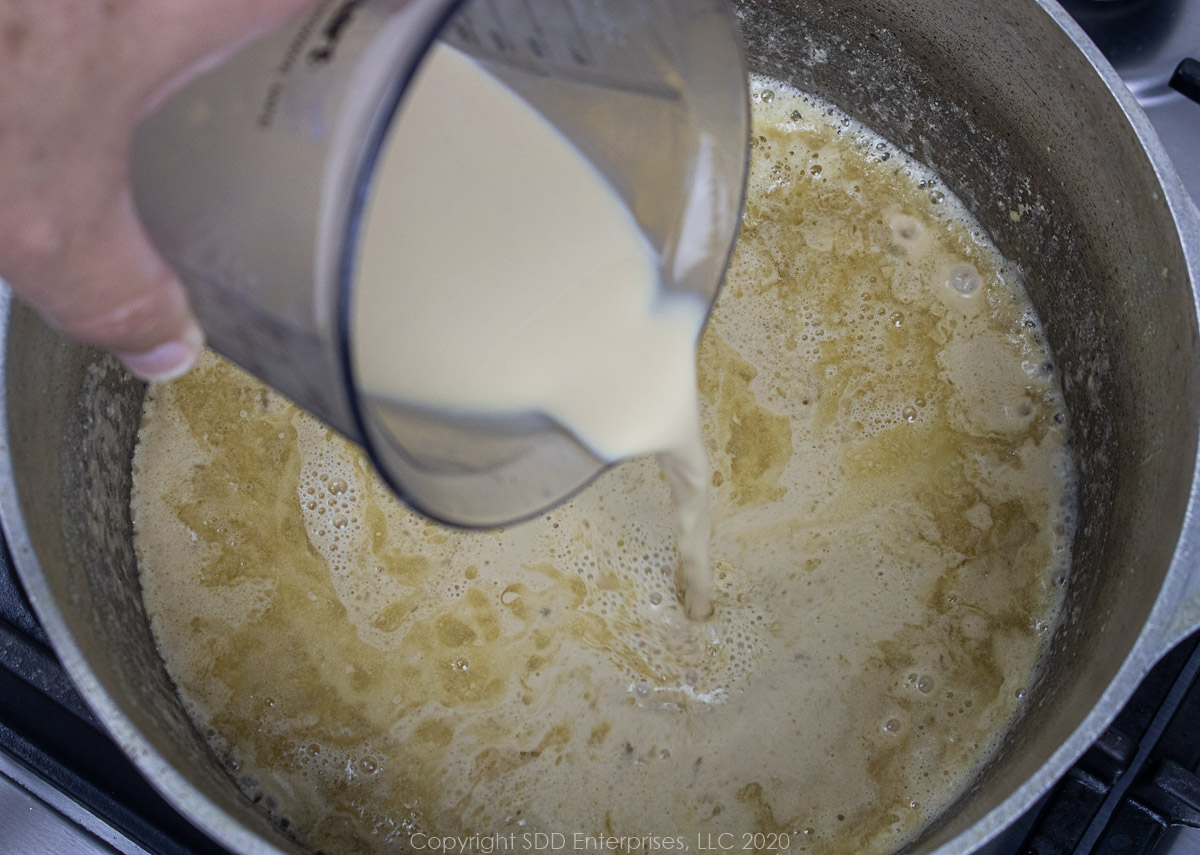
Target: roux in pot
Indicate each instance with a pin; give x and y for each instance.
(891, 504)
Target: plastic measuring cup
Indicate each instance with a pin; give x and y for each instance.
(252, 182)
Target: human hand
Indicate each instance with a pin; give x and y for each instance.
(75, 78)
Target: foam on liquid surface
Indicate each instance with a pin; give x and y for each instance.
(891, 506)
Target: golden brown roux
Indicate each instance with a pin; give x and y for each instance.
(890, 507)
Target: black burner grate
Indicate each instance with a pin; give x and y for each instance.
(49, 738)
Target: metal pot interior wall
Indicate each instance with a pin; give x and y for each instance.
(997, 99)
(1012, 116)
(72, 417)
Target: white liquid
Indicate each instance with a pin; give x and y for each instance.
(499, 274)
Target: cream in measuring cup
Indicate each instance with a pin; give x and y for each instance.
(499, 273)
(257, 181)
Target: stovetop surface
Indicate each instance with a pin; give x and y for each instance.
(1146, 40)
(54, 754)
(65, 787)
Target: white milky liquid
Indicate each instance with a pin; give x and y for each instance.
(499, 274)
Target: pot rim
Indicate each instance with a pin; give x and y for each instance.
(170, 783)
(1176, 611)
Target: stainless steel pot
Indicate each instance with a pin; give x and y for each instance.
(1027, 123)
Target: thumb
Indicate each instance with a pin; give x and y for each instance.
(116, 292)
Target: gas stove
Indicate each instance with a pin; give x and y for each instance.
(1155, 46)
(65, 788)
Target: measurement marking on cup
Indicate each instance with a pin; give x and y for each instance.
(500, 36)
(580, 53)
(296, 45)
(270, 103)
(536, 42)
(335, 28)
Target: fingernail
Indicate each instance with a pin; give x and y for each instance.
(169, 360)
